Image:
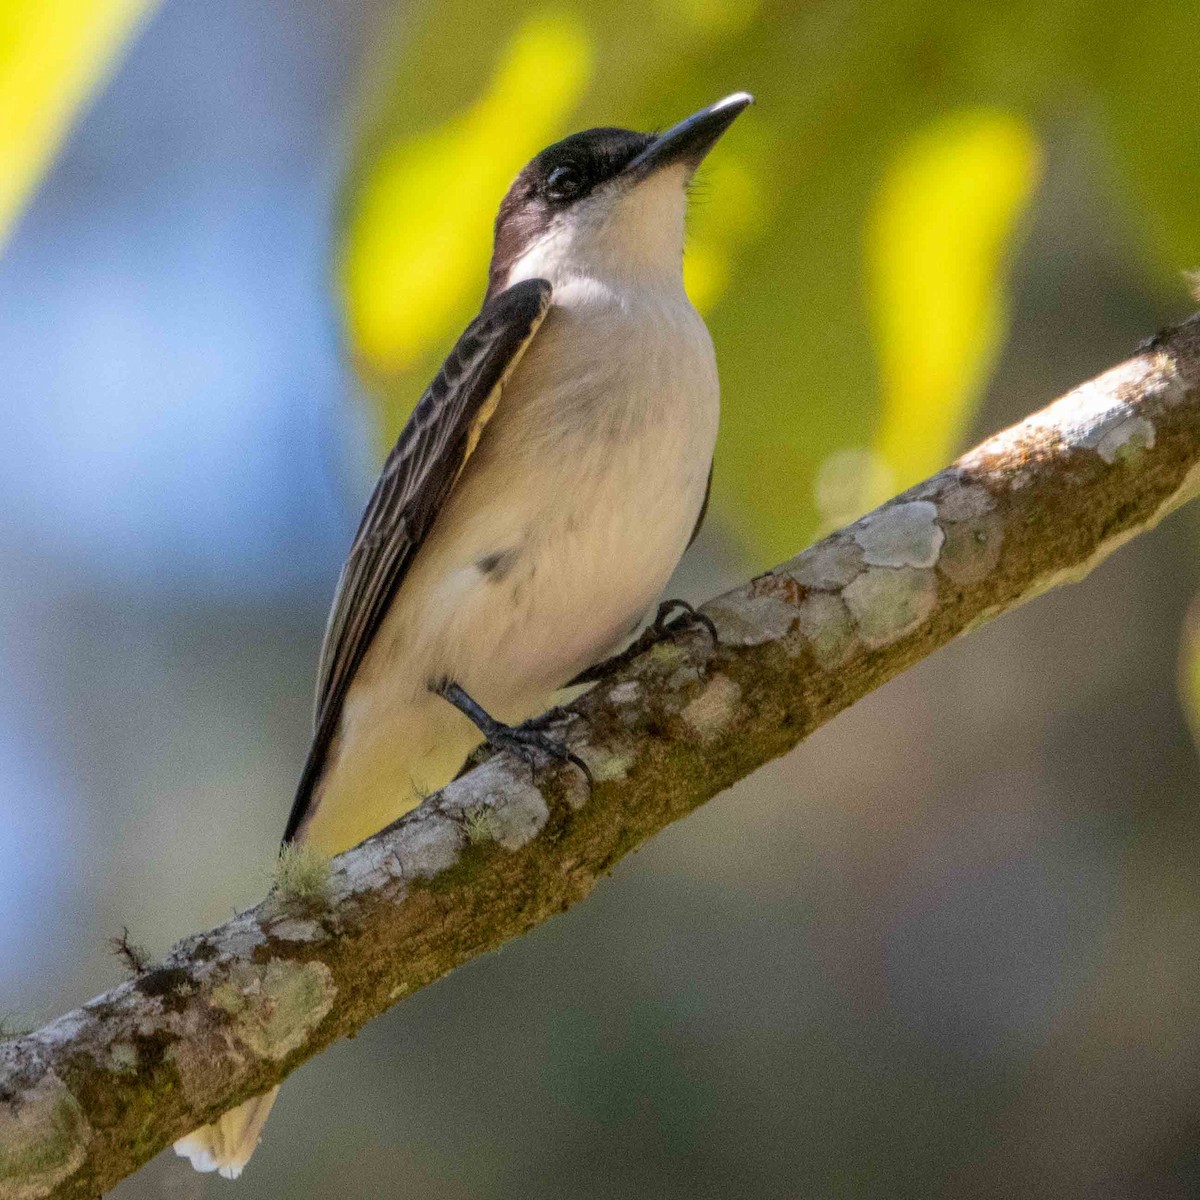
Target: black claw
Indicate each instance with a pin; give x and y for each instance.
(665, 624)
(526, 741)
(662, 627)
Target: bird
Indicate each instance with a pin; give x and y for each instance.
(533, 508)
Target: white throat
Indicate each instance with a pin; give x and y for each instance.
(621, 237)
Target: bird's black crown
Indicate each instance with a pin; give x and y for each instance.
(561, 175)
(570, 169)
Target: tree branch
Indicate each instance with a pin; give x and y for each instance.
(89, 1098)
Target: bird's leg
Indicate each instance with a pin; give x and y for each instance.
(526, 741)
(664, 625)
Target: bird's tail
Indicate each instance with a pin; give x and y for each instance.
(360, 797)
(227, 1144)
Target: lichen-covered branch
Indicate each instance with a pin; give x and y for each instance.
(86, 1100)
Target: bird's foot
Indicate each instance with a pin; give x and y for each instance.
(532, 742)
(687, 616)
(536, 747)
(673, 617)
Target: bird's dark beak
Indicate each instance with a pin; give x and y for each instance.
(690, 140)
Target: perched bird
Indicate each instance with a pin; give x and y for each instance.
(532, 509)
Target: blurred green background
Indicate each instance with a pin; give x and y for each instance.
(950, 946)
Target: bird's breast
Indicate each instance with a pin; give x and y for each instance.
(610, 366)
(581, 496)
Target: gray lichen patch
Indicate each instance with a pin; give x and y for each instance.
(964, 502)
(901, 535)
(628, 692)
(505, 807)
(625, 699)
(610, 765)
(296, 929)
(827, 566)
(683, 677)
(43, 1139)
(240, 938)
(712, 711)
(372, 866)
(1125, 441)
(889, 602)
(972, 549)
(519, 817)
(974, 533)
(122, 1057)
(828, 628)
(274, 1006)
(1106, 428)
(747, 619)
(431, 844)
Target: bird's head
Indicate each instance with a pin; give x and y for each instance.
(606, 204)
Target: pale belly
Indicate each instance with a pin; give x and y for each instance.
(552, 548)
(585, 575)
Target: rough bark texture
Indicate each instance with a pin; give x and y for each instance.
(86, 1100)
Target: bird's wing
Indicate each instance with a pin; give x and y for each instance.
(703, 506)
(417, 477)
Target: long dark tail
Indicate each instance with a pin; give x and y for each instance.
(310, 777)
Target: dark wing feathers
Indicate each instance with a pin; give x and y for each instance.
(703, 506)
(416, 479)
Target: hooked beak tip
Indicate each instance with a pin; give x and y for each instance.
(735, 100)
(690, 140)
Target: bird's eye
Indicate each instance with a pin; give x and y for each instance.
(563, 183)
